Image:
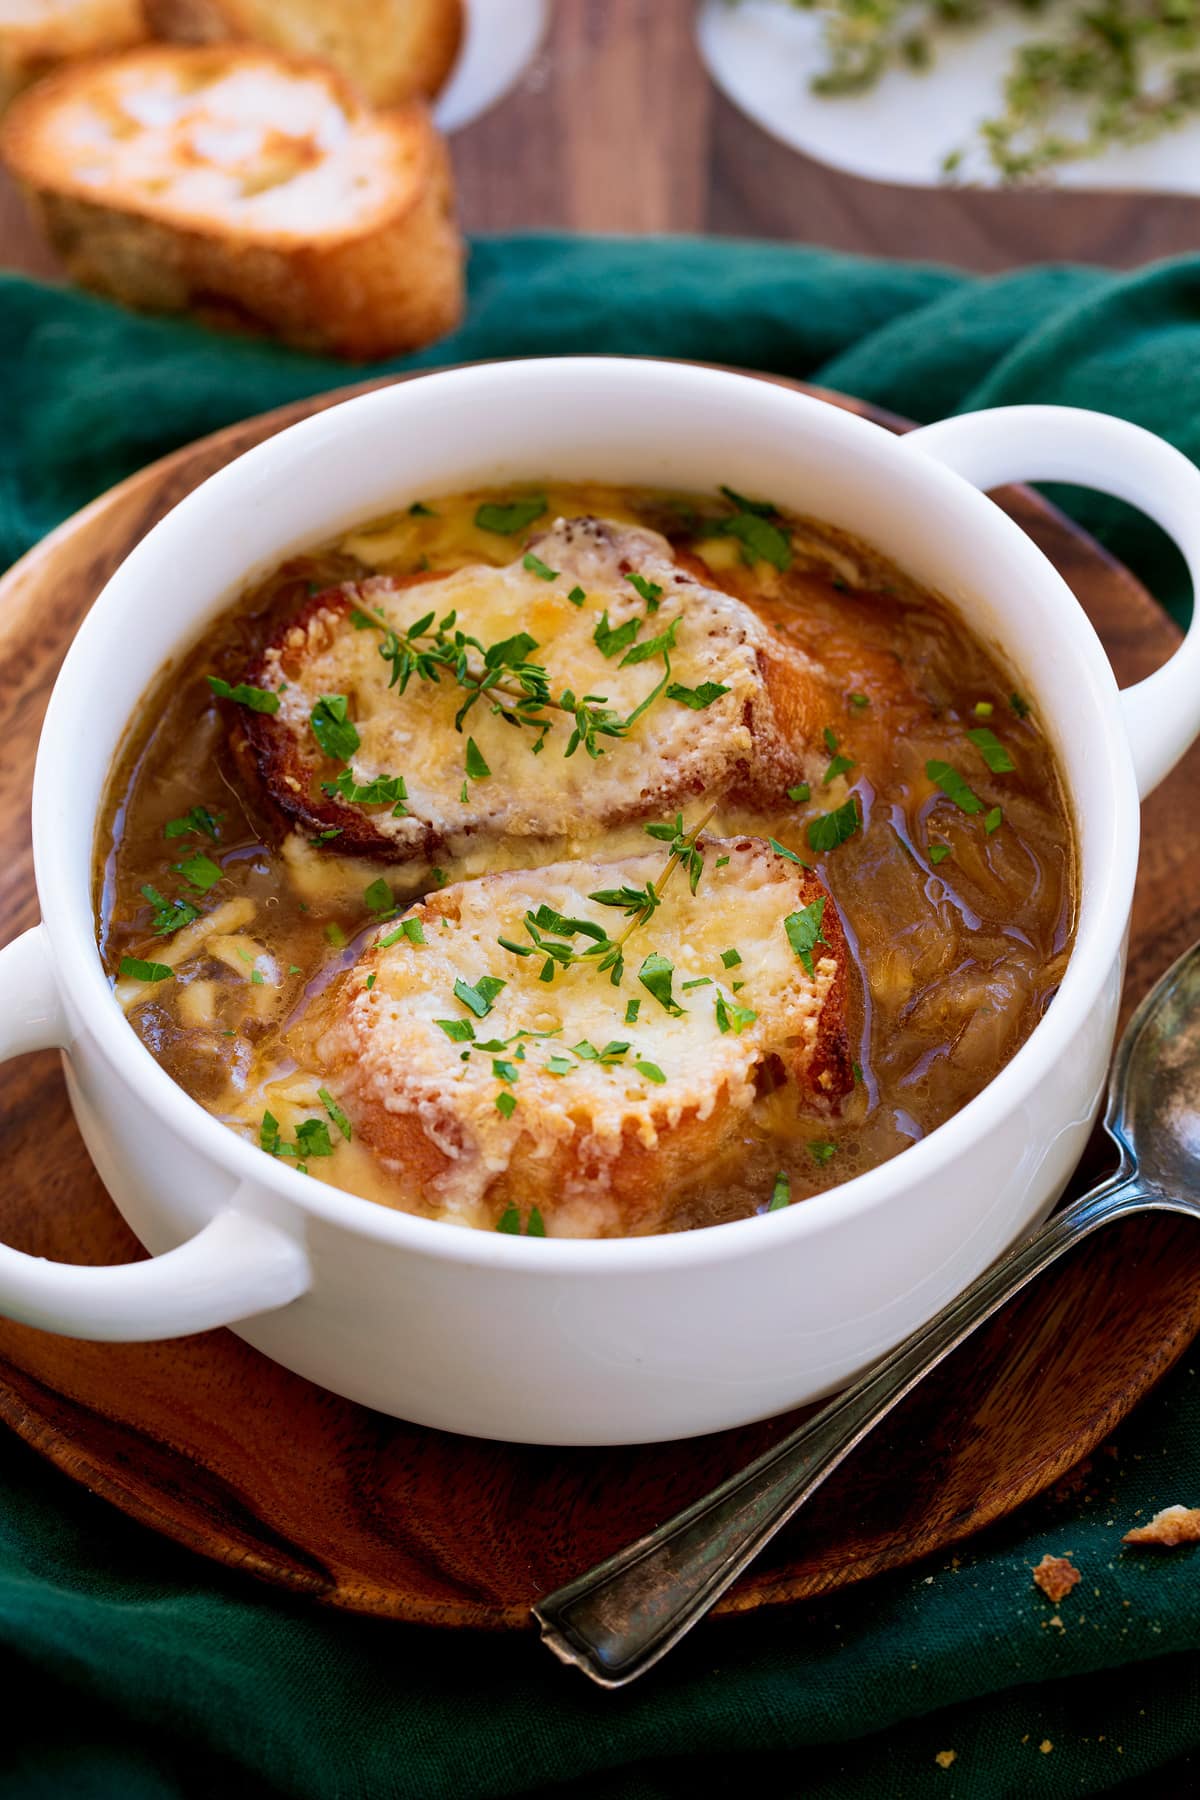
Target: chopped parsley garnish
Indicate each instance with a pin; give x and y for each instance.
(459, 1031)
(800, 793)
(335, 935)
(505, 1071)
(696, 698)
(370, 982)
(700, 981)
(197, 820)
(650, 1070)
(312, 1139)
(379, 898)
(381, 790)
(983, 709)
(758, 537)
(200, 872)
(438, 877)
(804, 932)
(651, 647)
(477, 769)
(260, 700)
(1019, 706)
(840, 765)
(137, 970)
(954, 786)
(820, 1152)
(412, 929)
(577, 595)
(720, 862)
(938, 853)
(335, 1112)
(332, 727)
(993, 820)
(509, 1221)
(632, 1010)
(782, 850)
(859, 700)
(558, 1064)
(856, 1071)
(781, 1193)
(257, 978)
(733, 1017)
(509, 517)
(655, 976)
(611, 639)
(831, 742)
(650, 591)
(762, 509)
(506, 1104)
(480, 997)
(327, 837)
(169, 915)
(612, 1052)
(992, 750)
(537, 567)
(834, 828)
(731, 958)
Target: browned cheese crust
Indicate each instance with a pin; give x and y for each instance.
(747, 745)
(599, 1146)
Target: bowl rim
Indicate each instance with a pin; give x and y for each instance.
(1103, 904)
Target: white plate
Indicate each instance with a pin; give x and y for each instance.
(501, 40)
(762, 54)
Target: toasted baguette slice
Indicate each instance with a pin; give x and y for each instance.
(599, 1134)
(37, 35)
(743, 742)
(392, 50)
(246, 186)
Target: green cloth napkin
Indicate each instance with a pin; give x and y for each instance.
(133, 1669)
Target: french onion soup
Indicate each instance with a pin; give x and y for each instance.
(586, 861)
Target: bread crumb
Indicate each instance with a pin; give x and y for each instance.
(944, 1758)
(1056, 1577)
(1173, 1525)
(1045, 1746)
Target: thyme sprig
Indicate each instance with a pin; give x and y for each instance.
(1099, 74)
(520, 688)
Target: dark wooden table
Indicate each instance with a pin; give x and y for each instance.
(616, 127)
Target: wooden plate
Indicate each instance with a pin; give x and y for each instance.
(210, 1443)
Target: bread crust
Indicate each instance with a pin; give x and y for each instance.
(391, 50)
(739, 746)
(601, 1149)
(371, 267)
(31, 46)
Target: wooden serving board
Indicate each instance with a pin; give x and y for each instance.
(208, 1442)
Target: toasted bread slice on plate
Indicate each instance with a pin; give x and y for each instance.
(392, 50)
(604, 683)
(247, 187)
(486, 1073)
(37, 35)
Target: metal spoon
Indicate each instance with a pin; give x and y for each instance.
(616, 1621)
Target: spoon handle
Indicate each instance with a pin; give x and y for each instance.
(616, 1621)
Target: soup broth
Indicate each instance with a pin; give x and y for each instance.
(955, 881)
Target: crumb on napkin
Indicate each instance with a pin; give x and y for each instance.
(1173, 1525)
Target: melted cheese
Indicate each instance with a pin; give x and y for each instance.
(670, 752)
(386, 1054)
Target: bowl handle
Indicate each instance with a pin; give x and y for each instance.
(236, 1266)
(1064, 443)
